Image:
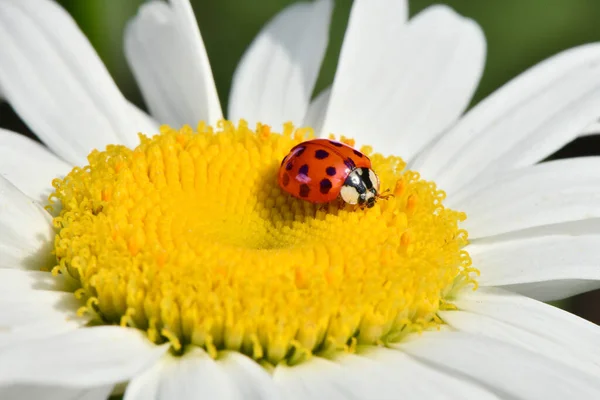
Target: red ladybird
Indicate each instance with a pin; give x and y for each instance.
(320, 170)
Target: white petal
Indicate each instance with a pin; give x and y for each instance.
(566, 257)
(34, 304)
(86, 357)
(592, 129)
(527, 119)
(373, 30)
(69, 101)
(408, 84)
(510, 371)
(165, 50)
(15, 280)
(511, 325)
(315, 115)
(547, 193)
(533, 325)
(29, 314)
(29, 166)
(47, 392)
(389, 373)
(275, 78)
(393, 374)
(315, 378)
(145, 384)
(192, 376)
(26, 232)
(555, 289)
(251, 380)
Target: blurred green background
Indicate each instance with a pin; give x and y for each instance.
(519, 34)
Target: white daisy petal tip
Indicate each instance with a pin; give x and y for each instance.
(71, 103)
(404, 84)
(165, 50)
(520, 124)
(275, 78)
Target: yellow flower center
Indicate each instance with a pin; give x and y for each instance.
(189, 238)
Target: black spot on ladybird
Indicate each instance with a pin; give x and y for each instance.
(303, 169)
(286, 179)
(330, 171)
(349, 163)
(289, 166)
(358, 153)
(304, 190)
(321, 154)
(325, 186)
(300, 150)
(336, 144)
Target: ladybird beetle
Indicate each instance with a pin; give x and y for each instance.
(320, 170)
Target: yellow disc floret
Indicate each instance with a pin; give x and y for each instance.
(189, 238)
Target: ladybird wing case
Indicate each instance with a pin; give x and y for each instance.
(314, 172)
(356, 158)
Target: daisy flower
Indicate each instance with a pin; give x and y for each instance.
(170, 264)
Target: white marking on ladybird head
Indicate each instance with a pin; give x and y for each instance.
(349, 194)
(374, 179)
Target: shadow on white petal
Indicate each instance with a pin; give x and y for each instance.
(375, 372)
(550, 324)
(29, 166)
(251, 380)
(508, 370)
(192, 376)
(523, 334)
(275, 78)
(14, 281)
(71, 103)
(27, 315)
(48, 392)
(85, 357)
(145, 384)
(392, 374)
(411, 85)
(315, 378)
(520, 124)
(26, 232)
(551, 290)
(315, 115)
(592, 129)
(166, 53)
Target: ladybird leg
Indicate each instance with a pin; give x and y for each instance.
(386, 194)
(340, 204)
(323, 207)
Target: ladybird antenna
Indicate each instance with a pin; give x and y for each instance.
(386, 194)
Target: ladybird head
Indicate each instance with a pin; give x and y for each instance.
(361, 187)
